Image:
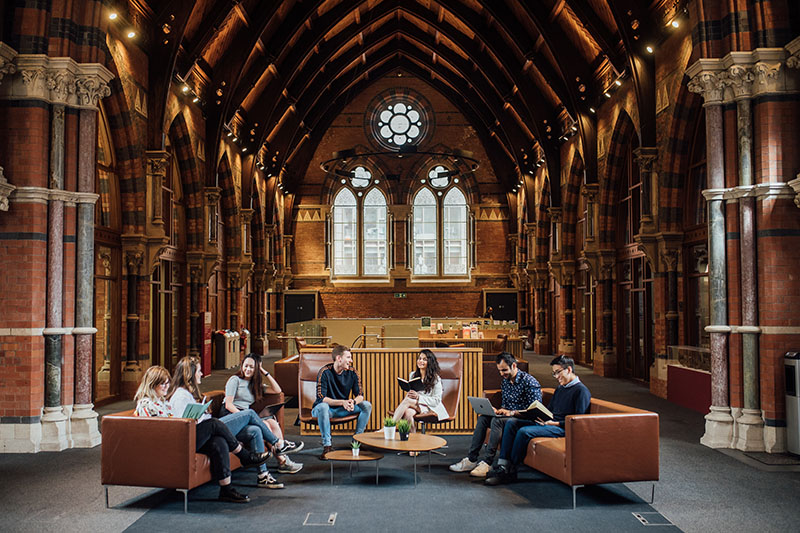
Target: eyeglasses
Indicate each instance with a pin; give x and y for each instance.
(558, 372)
(163, 384)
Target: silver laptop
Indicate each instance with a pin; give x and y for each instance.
(482, 406)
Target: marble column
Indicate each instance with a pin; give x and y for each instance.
(646, 158)
(749, 429)
(132, 370)
(706, 78)
(195, 327)
(55, 426)
(566, 345)
(84, 419)
(607, 280)
(233, 295)
(670, 260)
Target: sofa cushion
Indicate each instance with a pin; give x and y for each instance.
(549, 456)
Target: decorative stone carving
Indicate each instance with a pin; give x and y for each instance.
(739, 79)
(157, 164)
(133, 261)
(794, 184)
(7, 55)
(56, 80)
(5, 191)
(708, 83)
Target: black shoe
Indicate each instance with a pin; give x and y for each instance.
(499, 476)
(229, 494)
(252, 458)
(325, 451)
(288, 447)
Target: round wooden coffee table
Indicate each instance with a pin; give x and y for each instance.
(347, 455)
(417, 442)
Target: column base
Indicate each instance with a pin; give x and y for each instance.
(719, 428)
(566, 347)
(84, 426)
(774, 439)
(55, 430)
(605, 362)
(750, 431)
(21, 438)
(131, 377)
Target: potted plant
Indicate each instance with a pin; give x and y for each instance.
(403, 427)
(356, 447)
(388, 428)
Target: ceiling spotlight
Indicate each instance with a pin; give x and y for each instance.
(455, 180)
(236, 139)
(619, 83)
(574, 128)
(185, 88)
(675, 23)
(195, 100)
(112, 16)
(591, 110)
(649, 49)
(607, 94)
(131, 34)
(230, 134)
(244, 149)
(269, 174)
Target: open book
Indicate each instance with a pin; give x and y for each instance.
(536, 411)
(195, 410)
(414, 384)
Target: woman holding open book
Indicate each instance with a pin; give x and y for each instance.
(429, 398)
(212, 436)
(247, 387)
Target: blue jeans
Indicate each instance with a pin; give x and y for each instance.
(324, 412)
(516, 436)
(251, 430)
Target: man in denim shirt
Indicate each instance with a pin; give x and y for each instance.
(519, 390)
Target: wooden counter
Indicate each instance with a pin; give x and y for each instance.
(379, 369)
(513, 344)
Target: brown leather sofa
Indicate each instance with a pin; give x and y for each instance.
(613, 443)
(160, 452)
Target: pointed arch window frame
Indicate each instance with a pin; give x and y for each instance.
(366, 248)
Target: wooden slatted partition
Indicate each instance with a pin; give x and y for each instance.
(513, 345)
(379, 369)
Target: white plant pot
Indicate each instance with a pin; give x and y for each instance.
(355, 451)
(388, 433)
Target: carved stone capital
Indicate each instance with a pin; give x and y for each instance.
(213, 195)
(247, 214)
(133, 261)
(555, 214)
(646, 157)
(706, 77)
(57, 80)
(590, 191)
(7, 55)
(793, 48)
(795, 185)
(739, 79)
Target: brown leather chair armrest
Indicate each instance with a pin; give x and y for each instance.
(612, 448)
(148, 452)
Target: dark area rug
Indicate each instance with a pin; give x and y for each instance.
(442, 501)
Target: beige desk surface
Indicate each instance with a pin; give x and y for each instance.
(417, 442)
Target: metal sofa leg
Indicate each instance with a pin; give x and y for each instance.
(653, 492)
(106, 487)
(185, 500)
(574, 490)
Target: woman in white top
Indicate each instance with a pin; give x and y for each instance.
(245, 388)
(212, 436)
(430, 399)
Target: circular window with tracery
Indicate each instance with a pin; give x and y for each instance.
(399, 120)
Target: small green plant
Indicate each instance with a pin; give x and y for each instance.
(389, 422)
(355, 444)
(403, 426)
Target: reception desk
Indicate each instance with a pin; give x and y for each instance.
(379, 369)
(513, 344)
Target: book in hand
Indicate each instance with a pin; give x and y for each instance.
(414, 384)
(535, 411)
(195, 410)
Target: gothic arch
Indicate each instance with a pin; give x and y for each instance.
(191, 180)
(624, 131)
(229, 208)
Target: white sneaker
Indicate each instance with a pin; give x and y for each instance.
(481, 470)
(464, 465)
(289, 467)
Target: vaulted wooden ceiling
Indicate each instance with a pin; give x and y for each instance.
(526, 73)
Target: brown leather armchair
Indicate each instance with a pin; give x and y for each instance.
(450, 370)
(310, 365)
(498, 347)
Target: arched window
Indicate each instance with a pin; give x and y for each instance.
(345, 234)
(440, 229)
(374, 224)
(360, 218)
(425, 222)
(455, 233)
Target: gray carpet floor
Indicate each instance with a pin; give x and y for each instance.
(700, 489)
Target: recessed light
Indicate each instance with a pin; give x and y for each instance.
(131, 34)
(649, 49)
(244, 149)
(195, 100)
(607, 94)
(112, 16)
(235, 139)
(675, 24)
(619, 83)
(591, 110)
(230, 134)
(185, 88)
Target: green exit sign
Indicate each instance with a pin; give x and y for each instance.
(399, 295)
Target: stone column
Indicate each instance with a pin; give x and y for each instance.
(7, 66)
(607, 280)
(706, 78)
(195, 327)
(670, 259)
(749, 429)
(566, 345)
(55, 431)
(233, 294)
(540, 283)
(646, 158)
(132, 372)
(84, 418)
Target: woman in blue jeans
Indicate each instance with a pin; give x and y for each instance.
(245, 425)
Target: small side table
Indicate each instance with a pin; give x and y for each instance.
(347, 455)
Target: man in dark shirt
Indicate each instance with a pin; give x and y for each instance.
(570, 398)
(519, 390)
(336, 381)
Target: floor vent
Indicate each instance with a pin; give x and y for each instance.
(652, 519)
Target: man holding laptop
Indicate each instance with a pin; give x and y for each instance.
(570, 398)
(519, 390)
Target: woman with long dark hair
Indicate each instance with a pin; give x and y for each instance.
(212, 436)
(430, 399)
(248, 386)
